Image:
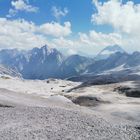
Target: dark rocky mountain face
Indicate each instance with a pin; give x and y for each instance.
(118, 67)
(74, 65)
(113, 61)
(133, 60)
(38, 63)
(43, 63)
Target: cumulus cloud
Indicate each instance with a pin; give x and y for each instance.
(21, 5)
(63, 42)
(72, 52)
(98, 39)
(123, 17)
(58, 12)
(19, 34)
(56, 29)
(91, 42)
(24, 34)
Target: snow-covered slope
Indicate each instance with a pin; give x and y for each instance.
(8, 72)
(17, 92)
(42, 88)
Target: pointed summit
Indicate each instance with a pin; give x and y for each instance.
(108, 51)
(46, 50)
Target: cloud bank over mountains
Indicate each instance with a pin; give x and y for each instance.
(124, 18)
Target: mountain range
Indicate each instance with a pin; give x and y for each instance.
(38, 63)
(45, 62)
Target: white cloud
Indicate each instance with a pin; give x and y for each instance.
(71, 52)
(12, 12)
(21, 5)
(95, 39)
(91, 42)
(123, 17)
(62, 42)
(56, 29)
(58, 12)
(19, 34)
(25, 35)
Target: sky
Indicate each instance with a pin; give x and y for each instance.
(72, 26)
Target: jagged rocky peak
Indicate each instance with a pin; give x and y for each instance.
(46, 49)
(49, 50)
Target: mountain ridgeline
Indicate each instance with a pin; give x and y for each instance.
(108, 51)
(42, 63)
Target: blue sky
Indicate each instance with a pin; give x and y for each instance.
(79, 14)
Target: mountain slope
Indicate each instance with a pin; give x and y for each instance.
(118, 67)
(38, 63)
(74, 65)
(7, 72)
(113, 61)
(43, 63)
(108, 51)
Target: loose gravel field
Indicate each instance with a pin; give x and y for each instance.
(42, 110)
(34, 123)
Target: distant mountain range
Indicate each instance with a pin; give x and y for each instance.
(118, 67)
(42, 63)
